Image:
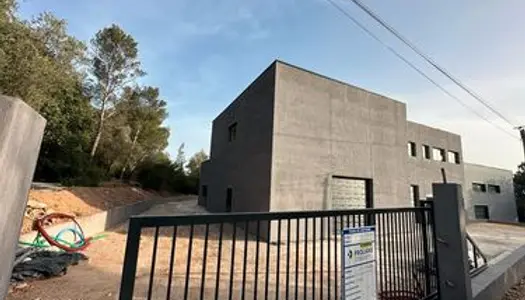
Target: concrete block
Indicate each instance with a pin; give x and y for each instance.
(21, 131)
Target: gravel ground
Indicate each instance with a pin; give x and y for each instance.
(517, 292)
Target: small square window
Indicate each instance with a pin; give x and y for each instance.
(412, 149)
(481, 212)
(232, 132)
(426, 152)
(492, 188)
(479, 187)
(439, 154)
(453, 157)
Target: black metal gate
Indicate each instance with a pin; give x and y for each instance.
(275, 255)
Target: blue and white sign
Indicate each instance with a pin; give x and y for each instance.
(359, 263)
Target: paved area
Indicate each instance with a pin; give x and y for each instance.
(497, 240)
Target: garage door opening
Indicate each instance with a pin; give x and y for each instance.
(351, 193)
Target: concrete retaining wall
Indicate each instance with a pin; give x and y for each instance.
(500, 276)
(105, 220)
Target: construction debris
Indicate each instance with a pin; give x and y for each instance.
(36, 263)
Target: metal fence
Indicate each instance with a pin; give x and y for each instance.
(275, 255)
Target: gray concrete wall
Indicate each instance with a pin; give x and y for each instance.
(423, 172)
(502, 207)
(21, 131)
(324, 127)
(245, 163)
(500, 276)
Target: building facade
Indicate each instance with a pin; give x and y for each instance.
(489, 194)
(297, 140)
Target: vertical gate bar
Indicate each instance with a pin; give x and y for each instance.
(204, 255)
(321, 285)
(313, 255)
(419, 251)
(258, 237)
(329, 233)
(278, 259)
(425, 252)
(402, 261)
(305, 258)
(413, 249)
(406, 254)
(336, 259)
(232, 261)
(378, 249)
(153, 261)
(217, 279)
(245, 259)
(287, 287)
(399, 267)
(188, 265)
(129, 269)
(172, 261)
(297, 224)
(391, 274)
(408, 221)
(267, 273)
(434, 246)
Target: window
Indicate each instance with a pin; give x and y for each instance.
(439, 154)
(412, 149)
(232, 132)
(494, 188)
(453, 157)
(426, 152)
(479, 187)
(229, 196)
(481, 212)
(414, 195)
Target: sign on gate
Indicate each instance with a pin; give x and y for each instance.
(359, 264)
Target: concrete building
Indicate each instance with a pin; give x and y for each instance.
(489, 194)
(297, 140)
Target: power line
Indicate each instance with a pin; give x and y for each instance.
(430, 60)
(415, 68)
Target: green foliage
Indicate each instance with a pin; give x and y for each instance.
(114, 65)
(519, 190)
(89, 100)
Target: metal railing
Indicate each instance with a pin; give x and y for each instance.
(477, 260)
(275, 255)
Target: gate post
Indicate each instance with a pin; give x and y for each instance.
(451, 242)
(21, 131)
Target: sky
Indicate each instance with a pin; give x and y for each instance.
(202, 54)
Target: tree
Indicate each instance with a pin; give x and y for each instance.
(180, 160)
(144, 113)
(36, 59)
(519, 190)
(194, 163)
(114, 65)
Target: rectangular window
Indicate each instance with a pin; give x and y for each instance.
(232, 132)
(204, 194)
(479, 187)
(453, 157)
(439, 154)
(412, 149)
(229, 196)
(481, 212)
(414, 195)
(426, 152)
(492, 188)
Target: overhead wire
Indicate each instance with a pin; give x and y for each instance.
(428, 59)
(415, 68)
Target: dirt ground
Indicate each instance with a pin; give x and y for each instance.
(84, 201)
(99, 278)
(517, 292)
